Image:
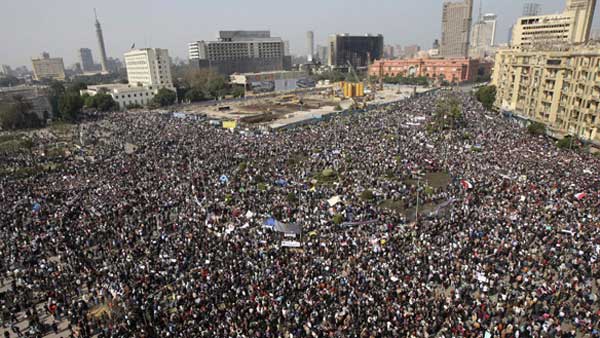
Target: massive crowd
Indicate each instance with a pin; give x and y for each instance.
(156, 228)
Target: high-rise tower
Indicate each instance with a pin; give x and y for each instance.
(584, 16)
(532, 9)
(310, 45)
(456, 28)
(101, 44)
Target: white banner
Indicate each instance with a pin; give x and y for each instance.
(290, 244)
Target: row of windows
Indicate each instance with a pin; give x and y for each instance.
(130, 95)
(547, 26)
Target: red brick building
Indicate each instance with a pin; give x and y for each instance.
(452, 70)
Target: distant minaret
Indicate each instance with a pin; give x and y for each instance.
(101, 44)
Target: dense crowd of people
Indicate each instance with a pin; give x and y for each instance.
(156, 228)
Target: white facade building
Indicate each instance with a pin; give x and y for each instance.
(149, 67)
(573, 25)
(125, 95)
(483, 36)
(241, 52)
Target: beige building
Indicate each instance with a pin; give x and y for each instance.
(149, 67)
(456, 28)
(573, 25)
(48, 68)
(560, 88)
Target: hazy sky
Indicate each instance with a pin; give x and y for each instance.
(28, 27)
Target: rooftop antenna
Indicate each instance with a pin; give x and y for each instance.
(95, 14)
(480, 10)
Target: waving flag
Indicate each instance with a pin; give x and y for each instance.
(580, 196)
(466, 184)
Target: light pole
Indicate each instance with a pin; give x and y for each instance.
(417, 209)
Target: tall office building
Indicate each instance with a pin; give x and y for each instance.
(456, 28)
(149, 67)
(240, 52)
(48, 68)
(532, 9)
(101, 45)
(310, 45)
(584, 16)
(322, 53)
(483, 36)
(358, 50)
(86, 60)
(573, 25)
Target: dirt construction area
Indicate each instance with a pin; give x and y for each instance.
(289, 108)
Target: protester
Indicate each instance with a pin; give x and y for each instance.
(156, 228)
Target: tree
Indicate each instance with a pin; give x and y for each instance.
(217, 87)
(16, 114)
(10, 117)
(411, 80)
(486, 95)
(448, 115)
(212, 84)
(567, 142)
(88, 101)
(238, 91)
(105, 102)
(536, 128)
(332, 75)
(76, 87)
(165, 97)
(55, 91)
(9, 81)
(367, 195)
(70, 105)
(195, 95)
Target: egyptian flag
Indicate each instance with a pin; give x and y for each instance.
(580, 196)
(466, 184)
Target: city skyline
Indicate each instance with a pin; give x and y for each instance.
(399, 22)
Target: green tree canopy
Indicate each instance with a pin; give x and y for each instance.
(70, 105)
(238, 91)
(165, 97)
(101, 101)
(9, 81)
(486, 95)
(16, 114)
(195, 95)
(210, 83)
(536, 128)
(411, 80)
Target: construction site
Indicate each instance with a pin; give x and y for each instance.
(285, 109)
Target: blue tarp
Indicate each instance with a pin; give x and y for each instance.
(270, 222)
